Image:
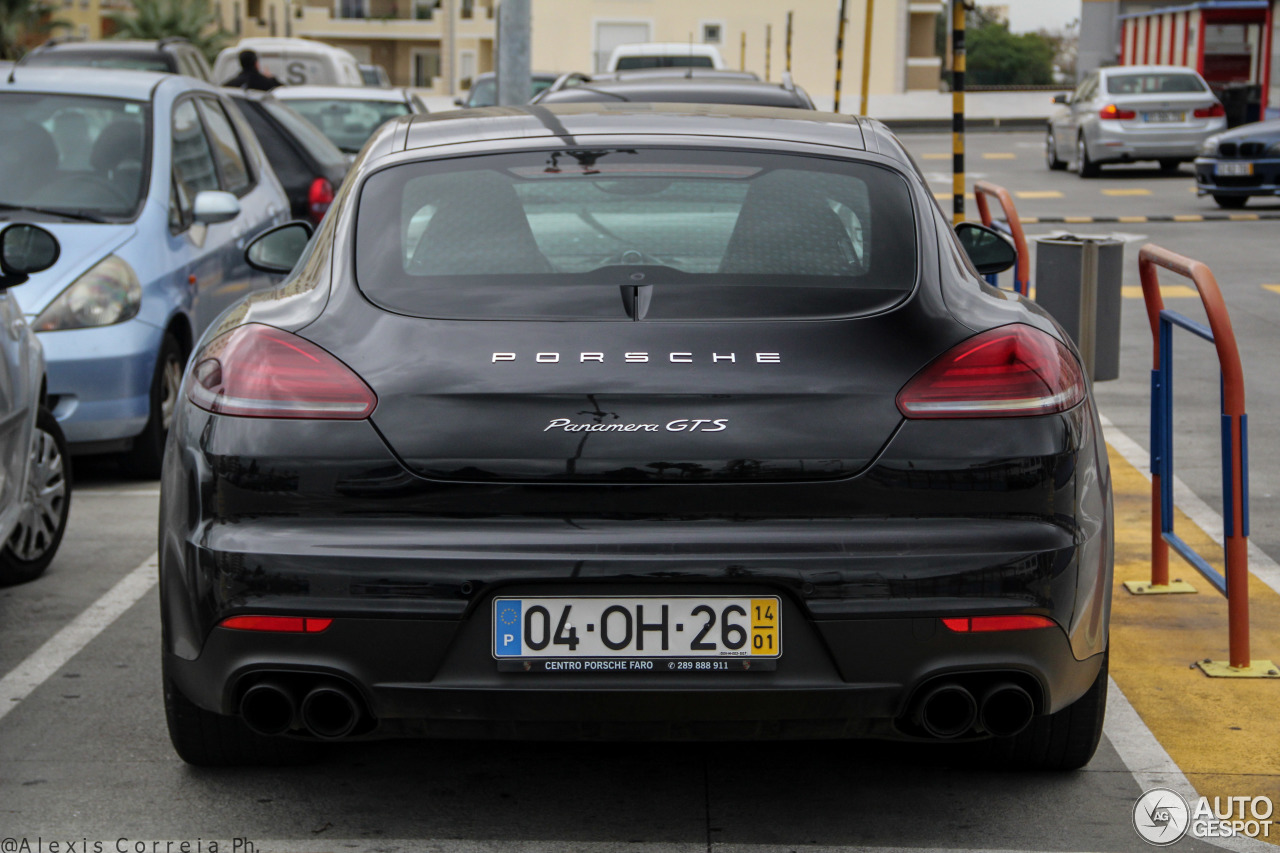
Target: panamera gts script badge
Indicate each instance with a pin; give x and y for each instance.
(679, 425)
(640, 357)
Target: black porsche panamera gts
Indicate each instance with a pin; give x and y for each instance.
(636, 421)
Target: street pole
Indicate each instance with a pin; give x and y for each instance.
(515, 83)
(768, 48)
(958, 8)
(790, 15)
(742, 53)
(866, 59)
(840, 52)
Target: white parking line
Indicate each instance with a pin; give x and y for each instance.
(41, 664)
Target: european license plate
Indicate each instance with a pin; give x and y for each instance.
(686, 627)
(1233, 169)
(1164, 116)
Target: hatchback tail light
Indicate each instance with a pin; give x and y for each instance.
(257, 371)
(1111, 111)
(277, 624)
(319, 197)
(1009, 371)
(1215, 111)
(984, 624)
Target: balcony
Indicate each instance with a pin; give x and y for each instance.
(319, 23)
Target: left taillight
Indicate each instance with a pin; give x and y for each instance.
(319, 197)
(257, 371)
(1009, 371)
(1215, 111)
(1111, 111)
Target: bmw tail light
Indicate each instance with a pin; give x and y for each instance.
(984, 624)
(257, 371)
(1009, 371)
(1111, 111)
(277, 624)
(319, 197)
(1215, 111)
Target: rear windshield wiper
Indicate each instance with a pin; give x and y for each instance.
(79, 216)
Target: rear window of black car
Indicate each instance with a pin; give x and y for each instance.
(611, 233)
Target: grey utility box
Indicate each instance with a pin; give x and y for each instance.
(1078, 282)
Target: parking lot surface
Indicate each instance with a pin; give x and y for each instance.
(85, 759)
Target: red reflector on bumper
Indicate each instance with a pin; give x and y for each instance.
(978, 624)
(278, 624)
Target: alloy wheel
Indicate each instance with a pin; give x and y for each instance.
(170, 384)
(42, 511)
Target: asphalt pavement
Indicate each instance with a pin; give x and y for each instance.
(85, 760)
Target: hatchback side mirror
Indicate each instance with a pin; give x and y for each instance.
(278, 249)
(214, 206)
(25, 249)
(988, 249)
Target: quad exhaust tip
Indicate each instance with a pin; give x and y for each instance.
(267, 708)
(330, 712)
(1006, 710)
(947, 710)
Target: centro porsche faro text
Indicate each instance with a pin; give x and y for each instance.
(680, 425)
(643, 357)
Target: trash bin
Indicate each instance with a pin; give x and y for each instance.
(1077, 280)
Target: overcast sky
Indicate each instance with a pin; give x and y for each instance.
(1030, 15)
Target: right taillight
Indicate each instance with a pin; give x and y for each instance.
(1009, 371)
(1112, 112)
(258, 371)
(319, 197)
(1215, 111)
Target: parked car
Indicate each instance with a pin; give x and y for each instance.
(346, 115)
(484, 88)
(375, 75)
(309, 166)
(665, 420)
(706, 88)
(1240, 163)
(151, 183)
(35, 471)
(626, 57)
(292, 61)
(1133, 112)
(175, 55)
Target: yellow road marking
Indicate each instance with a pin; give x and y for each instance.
(1077, 219)
(999, 155)
(1274, 288)
(1242, 217)
(1038, 194)
(1220, 731)
(1131, 218)
(1029, 220)
(938, 156)
(1167, 291)
(1188, 218)
(1130, 191)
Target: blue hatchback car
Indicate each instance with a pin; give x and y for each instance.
(152, 184)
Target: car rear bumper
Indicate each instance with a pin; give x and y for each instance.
(1122, 143)
(100, 380)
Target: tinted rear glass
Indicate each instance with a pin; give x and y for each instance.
(1153, 84)
(101, 59)
(628, 63)
(304, 133)
(348, 122)
(584, 234)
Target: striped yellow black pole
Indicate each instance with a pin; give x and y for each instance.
(957, 110)
(840, 52)
(768, 49)
(789, 16)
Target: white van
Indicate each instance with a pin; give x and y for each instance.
(626, 57)
(294, 62)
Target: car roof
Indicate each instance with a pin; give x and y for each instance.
(651, 120)
(721, 90)
(103, 82)
(689, 71)
(341, 93)
(664, 48)
(108, 45)
(1147, 69)
(295, 44)
(540, 75)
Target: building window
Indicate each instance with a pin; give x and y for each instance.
(711, 33)
(426, 66)
(468, 9)
(353, 8)
(425, 10)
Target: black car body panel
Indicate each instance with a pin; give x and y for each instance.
(1251, 154)
(868, 527)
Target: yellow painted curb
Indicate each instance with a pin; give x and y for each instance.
(1223, 732)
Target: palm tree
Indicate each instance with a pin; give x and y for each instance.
(194, 20)
(23, 22)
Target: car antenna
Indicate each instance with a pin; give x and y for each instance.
(23, 58)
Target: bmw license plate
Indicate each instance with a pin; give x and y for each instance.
(690, 628)
(1164, 116)
(1236, 169)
